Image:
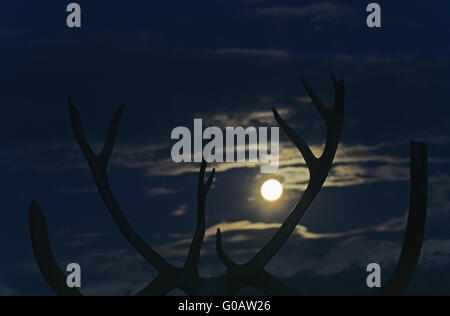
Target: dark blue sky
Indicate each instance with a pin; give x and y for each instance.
(228, 62)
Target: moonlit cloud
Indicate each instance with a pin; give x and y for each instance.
(242, 231)
(180, 210)
(354, 165)
(249, 118)
(158, 191)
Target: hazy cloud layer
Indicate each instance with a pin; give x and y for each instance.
(320, 11)
(265, 54)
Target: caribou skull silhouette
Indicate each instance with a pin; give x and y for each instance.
(253, 273)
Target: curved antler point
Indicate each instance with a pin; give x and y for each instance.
(35, 213)
(418, 143)
(121, 107)
(277, 115)
(72, 108)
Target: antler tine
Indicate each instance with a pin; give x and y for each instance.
(112, 133)
(187, 279)
(78, 132)
(221, 253)
(81, 138)
(98, 165)
(199, 236)
(42, 251)
(415, 228)
(321, 108)
(298, 141)
(339, 92)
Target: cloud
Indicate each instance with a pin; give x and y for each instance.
(435, 254)
(12, 34)
(147, 157)
(362, 251)
(341, 250)
(160, 191)
(249, 118)
(270, 54)
(321, 11)
(125, 270)
(79, 190)
(9, 291)
(104, 260)
(114, 272)
(26, 157)
(241, 232)
(393, 225)
(83, 239)
(373, 58)
(180, 210)
(440, 191)
(355, 164)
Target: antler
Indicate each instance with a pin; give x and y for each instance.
(98, 165)
(415, 228)
(170, 277)
(253, 273)
(203, 188)
(44, 257)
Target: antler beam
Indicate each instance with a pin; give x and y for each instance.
(253, 272)
(45, 259)
(415, 228)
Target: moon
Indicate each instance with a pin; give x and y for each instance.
(271, 190)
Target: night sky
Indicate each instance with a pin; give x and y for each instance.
(228, 62)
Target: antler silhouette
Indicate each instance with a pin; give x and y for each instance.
(170, 277)
(253, 273)
(415, 228)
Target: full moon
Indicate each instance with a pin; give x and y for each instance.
(271, 190)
